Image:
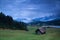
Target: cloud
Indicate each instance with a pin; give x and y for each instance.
(29, 9)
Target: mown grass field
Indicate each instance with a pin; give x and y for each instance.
(52, 34)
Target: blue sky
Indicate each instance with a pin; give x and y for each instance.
(30, 9)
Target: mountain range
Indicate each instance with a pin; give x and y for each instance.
(36, 19)
(43, 20)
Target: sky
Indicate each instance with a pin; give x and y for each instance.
(30, 9)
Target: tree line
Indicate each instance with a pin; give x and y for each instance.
(7, 22)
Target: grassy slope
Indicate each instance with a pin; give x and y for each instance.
(52, 34)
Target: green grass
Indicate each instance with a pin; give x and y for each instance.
(52, 34)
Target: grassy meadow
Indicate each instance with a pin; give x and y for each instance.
(7, 34)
